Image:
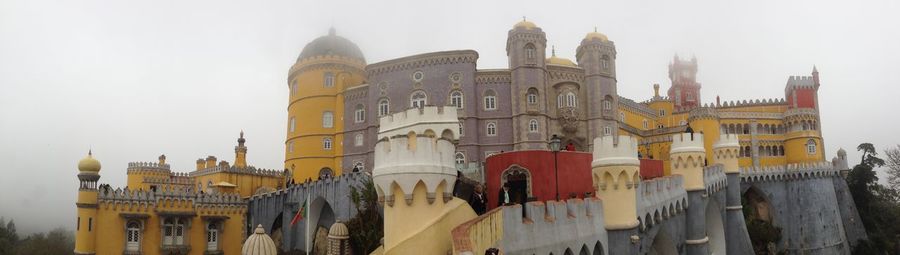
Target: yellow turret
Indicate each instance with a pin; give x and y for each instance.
(726, 152)
(616, 174)
(688, 158)
(85, 234)
(240, 153)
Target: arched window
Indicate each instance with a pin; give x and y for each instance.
(290, 146)
(326, 143)
(682, 123)
(490, 100)
(530, 52)
(383, 107)
(805, 126)
(532, 96)
(329, 80)
(173, 232)
(622, 116)
(456, 99)
(326, 173)
(607, 130)
(212, 237)
(605, 63)
(133, 236)
(358, 139)
(327, 120)
(418, 99)
(294, 88)
(359, 115)
(293, 124)
(491, 129)
(811, 146)
(646, 124)
(607, 105)
(460, 158)
(533, 126)
(781, 150)
(571, 100)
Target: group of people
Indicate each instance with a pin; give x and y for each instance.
(478, 200)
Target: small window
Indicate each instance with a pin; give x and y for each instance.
(358, 140)
(212, 237)
(604, 63)
(294, 88)
(360, 167)
(327, 120)
(329, 80)
(811, 146)
(572, 101)
(90, 224)
(646, 124)
(689, 96)
(682, 123)
(607, 131)
(660, 126)
(293, 124)
(383, 107)
(359, 114)
(418, 99)
(460, 158)
(326, 143)
(461, 130)
(530, 52)
(290, 146)
(490, 100)
(133, 236)
(533, 126)
(326, 173)
(622, 116)
(78, 224)
(456, 99)
(492, 129)
(532, 96)
(607, 105)
(662, 112)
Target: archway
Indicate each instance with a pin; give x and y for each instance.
(759, 215)
(584, 250)
(277, 235)
(519, 180)
(715, 229)
(598, 248)
(662, 244)
(321, 216)
(568, 252)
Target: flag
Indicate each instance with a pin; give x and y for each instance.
(300, 214)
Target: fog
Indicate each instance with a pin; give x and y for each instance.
(131, 80)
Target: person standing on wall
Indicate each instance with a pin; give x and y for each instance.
(503, 197)
(477, 200)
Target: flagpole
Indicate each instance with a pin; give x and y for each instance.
(307, 224)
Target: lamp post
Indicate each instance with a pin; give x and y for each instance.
(554, 146)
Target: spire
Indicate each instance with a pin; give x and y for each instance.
(90, 153)
(815, 70)
(553, 50)
(523, 18)
(241, 139)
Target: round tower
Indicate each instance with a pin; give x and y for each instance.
(526, 46)
(705, 120)
(240, 152)
(616, 173)
(726, 151)
(414, 175)
(688, 156)
(802, 141)
(597, 55)
(85, 233)
(326, 67)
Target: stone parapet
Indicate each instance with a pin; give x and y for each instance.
(661, 198)
(236, 170)
(788, 172)
(138, 167)
(714, 178)
(607, 152)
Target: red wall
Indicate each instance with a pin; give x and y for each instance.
(574, 173)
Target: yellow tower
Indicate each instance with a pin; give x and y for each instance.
(688, 158)
(616, 174)
(327, 66)
(240, 153)
(85, 234)
(802, 141)
(726, 152)
(705, 120)
(414, 174)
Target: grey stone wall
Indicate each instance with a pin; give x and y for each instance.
(554, 227)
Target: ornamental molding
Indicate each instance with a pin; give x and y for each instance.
(342, 67)
(750, 115)
(423, 60)
(565, 74)
(482, 77)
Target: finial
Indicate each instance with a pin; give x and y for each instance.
(553, 50)
(814, 69)
(89, 152)
(242, 133)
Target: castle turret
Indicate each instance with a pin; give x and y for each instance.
(803, 140)
(616, 174)
(726, 151)
(685, 89)
(85, 234)
(688, 158)
(240, 153)
(705, 120)
(526, 46)
(597, 55)
(414, 175)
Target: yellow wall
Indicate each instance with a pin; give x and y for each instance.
(307, 104)
(422, 228)
(795, 147)
(247, 185)
(85, 236)
(615, 185)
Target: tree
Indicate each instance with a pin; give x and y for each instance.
(893, 164)
(367, 227)
(57, 241)
(878, 205)
(8, 237)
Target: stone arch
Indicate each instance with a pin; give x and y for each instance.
(598, 248)
(662, 244)
(715, 227)
(760, 207)
(321, 216)
(519, 174)
(447, 134)
(568, 252)
(277, 235)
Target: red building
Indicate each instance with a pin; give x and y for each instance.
(532, 175)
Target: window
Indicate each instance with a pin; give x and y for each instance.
(533, 126)
(78, 224)
(607, 130)
(212, 237)
(492, 129)
(607, 105)
(418, 99)
(461, 130)
(294, 88)
(90, 224)
(811, 146)
(622, 116)
(682, 123)
(290, 146)
(329, 80)
(604, 63)
(327, 119)
(530, 52)
(358, 140)
(173, 232)
(490, 100)
(326, 143)
(662, 112)
(460, 158)
(383, 107)
(360, 167)
(456, 99)
(326, 173)
(133, 236)
(532, 96)
(646, 124)
(660, 126)
(359, 115)
(689, 96)
(567, 99)
(293, 124)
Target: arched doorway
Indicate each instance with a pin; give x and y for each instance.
(759, 215)
(584, 250)
(662, 244)
(715, 230)
(519, 180)
(321, 216)
(277, 235)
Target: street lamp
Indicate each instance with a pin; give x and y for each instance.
(554, 146)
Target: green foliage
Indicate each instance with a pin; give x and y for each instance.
(57, 241)
(761, 234)
(878, 205)
(893, 164)
(367, 228)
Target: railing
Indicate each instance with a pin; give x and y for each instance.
(479, 234)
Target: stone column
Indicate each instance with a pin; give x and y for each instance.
(726, 152)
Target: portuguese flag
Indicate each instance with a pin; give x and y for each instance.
(300, 214)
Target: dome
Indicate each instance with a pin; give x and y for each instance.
(596, 35)
(331, 44)
(89, 164)
(842, 153)
(525, 24)
(554, 60)
(338, 231)
(259, 243)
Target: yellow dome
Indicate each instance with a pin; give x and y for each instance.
(597, 35)
(554, 60)
(525, 24)
(89, 164)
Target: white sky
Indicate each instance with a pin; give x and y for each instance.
(135, 79)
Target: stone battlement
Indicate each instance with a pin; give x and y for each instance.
(236, 170)
(661, 198)
(322, 184)
(788, 172)
(607, 152)
(175, 178)
(687, 142)
(705, 112)
(714, 178)
(441, 119)
(757, 102)
(727, 141)
(406, 162)
(167, 195)
(147, 167)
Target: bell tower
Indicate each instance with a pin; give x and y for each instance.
(685, 89)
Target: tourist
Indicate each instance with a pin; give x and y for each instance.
(477, 200)
(503, 197)
(570, 147)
